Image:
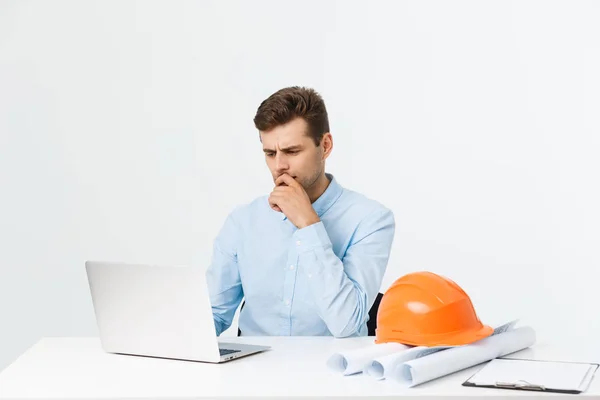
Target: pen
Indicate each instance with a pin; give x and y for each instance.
(519, 385)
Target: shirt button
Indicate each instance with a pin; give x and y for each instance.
(287, 302)
(309, 276)
(298, 243)
(291, 267)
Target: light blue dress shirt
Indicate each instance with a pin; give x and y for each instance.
(320, 280)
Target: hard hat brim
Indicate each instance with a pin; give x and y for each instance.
(448, 339)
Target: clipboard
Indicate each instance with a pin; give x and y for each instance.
(534, 375)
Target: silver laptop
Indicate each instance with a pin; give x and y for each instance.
(158, 311)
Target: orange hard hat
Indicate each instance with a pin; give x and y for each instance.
(426, 309)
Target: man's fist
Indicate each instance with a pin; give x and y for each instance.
(290, 198)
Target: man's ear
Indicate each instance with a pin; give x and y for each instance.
(327, 144)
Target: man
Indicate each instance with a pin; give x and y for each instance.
(309, 258)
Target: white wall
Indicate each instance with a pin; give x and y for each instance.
(476, 122)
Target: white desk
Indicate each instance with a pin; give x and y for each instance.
(77, 368)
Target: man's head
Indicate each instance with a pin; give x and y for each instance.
(294, 130)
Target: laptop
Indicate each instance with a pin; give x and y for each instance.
(158, 311)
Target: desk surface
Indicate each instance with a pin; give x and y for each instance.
(69, 368)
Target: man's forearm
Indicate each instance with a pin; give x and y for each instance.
(342, 304)
(344, 289)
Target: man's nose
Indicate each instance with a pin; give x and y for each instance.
(281, 163)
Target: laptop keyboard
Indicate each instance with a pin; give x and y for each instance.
(228, 351)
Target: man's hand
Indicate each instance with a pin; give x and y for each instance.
(290, 198)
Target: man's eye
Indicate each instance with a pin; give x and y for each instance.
(270, 154)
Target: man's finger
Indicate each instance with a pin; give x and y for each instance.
(281, 189)
(275, 199)
(277, 196)
(273, 203)
(287, 179)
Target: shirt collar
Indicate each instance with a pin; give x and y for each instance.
(327, 199)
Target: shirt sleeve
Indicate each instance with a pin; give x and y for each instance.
(223, 277)
(344, 289)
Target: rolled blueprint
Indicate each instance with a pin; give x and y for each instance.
(382, 367)
(355, 360)
(445, 362)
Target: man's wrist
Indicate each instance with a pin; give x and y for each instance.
(309, 221)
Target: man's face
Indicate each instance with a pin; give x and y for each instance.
(288, 149)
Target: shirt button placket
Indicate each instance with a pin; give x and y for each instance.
(288, 291)
(291, 276)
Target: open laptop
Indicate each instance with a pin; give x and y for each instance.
(158, 311)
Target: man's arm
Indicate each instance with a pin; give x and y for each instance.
(344, 290)
(223, 277)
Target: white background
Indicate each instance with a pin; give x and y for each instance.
(126, 134)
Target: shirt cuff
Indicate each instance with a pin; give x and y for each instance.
(311, 237)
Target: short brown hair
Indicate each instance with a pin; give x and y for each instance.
(292, 102)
